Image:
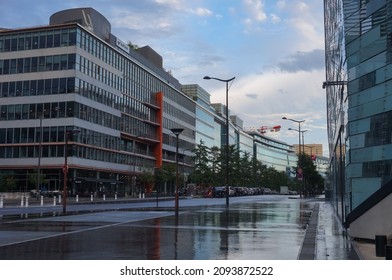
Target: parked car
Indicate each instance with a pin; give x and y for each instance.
(266, 191)
(219, 192)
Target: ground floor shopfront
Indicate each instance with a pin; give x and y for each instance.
(80, 182)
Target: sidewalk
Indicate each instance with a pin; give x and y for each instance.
(333, 241)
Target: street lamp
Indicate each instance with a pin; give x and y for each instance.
(299, 131)
(176, 132)
(303, 139)
(227, 131)
(65, 168)
(39, 154)
(299, 171)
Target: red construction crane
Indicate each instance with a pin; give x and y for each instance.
(264, 129)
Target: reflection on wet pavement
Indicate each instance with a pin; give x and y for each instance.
(252, 230)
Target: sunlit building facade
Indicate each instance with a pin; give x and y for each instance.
(358, 93)
(74, 79)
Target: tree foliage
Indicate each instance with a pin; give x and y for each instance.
(313, 181)
(244, 170)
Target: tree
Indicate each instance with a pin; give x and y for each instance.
(132, 46)
(33, 180)
(244, 170)
(166, 175)
(146, 179)
(7, 183)
(313, 179)
(202, 174)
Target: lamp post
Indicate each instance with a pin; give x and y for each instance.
(299, 131)
(299, 171)
(227, 131)
(39, 154)
(176, 132)
(303, 139)
(65, 168)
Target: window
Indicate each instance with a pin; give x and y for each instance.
(3, 113)
(10, 135)
(30, 135)
(55, 86)
(34, 64)
(26, 65)
(2, 135)
(11, 112)
(5, 89)
(18, 112)
(26, 88)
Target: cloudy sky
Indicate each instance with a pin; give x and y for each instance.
(274, 48)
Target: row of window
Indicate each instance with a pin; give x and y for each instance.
(37, 64)
(56, 134)
(38, 40)
(75, 150)
(37, 87)
(68, 109)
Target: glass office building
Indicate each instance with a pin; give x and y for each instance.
(76, 98)
(358, 93)
(272, 152)
(73, 90)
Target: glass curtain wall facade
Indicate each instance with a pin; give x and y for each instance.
(358, 52)
(337, 101)
(273, 153)
(63, 78)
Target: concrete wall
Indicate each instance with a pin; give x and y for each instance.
(376, 221)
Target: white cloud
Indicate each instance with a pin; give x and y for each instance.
(256, 9)
(275, 19)
(171, 3)
(263, 99)
(281, 4)
(202, 12)
(307, 22)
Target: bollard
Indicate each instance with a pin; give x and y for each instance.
(388, 252)
(42, 200)
(77, 198)
(140, 195)
(1, 202)
(59, 198)
(144, 196)
(381, 241)
(21, 201)
(27, 201)
(115, 196)
(104, 197)
(54, 201)
(92, 197)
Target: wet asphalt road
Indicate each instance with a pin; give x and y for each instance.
(253, 228)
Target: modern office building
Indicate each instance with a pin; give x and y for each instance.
(272, 152)
(77, 99)
(310, 149)
(208, 123)
(72, 92)
(359, 107)
(211, 128)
